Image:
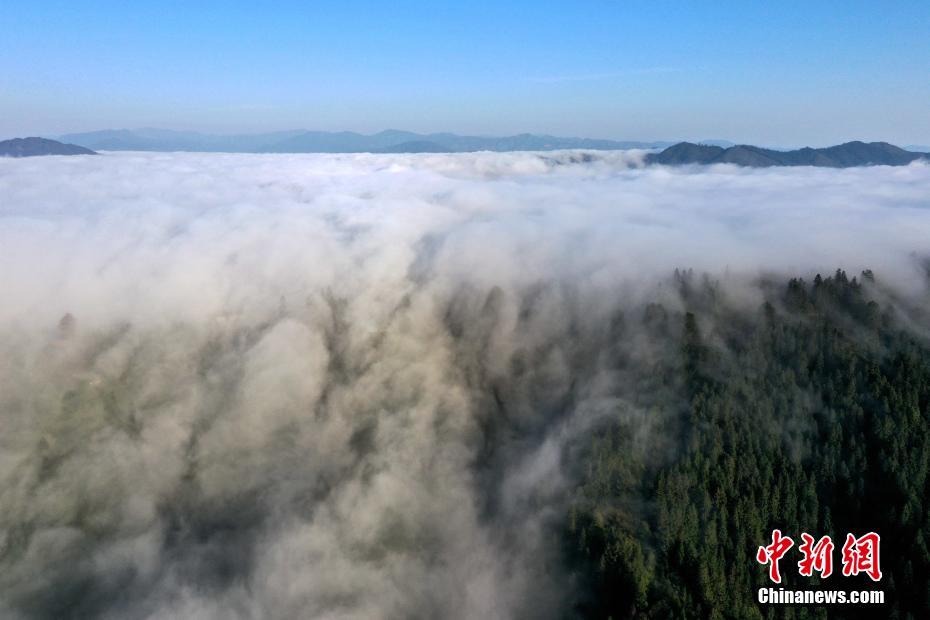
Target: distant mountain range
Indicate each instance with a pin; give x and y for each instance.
(301, 141)
(840, 156)
(149, 139)
(391, 141)
(31, 147)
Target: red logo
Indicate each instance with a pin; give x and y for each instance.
(773, 553)
(860, 555)
(817, 557)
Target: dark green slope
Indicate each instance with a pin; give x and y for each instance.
(840, 156)
(811, 414)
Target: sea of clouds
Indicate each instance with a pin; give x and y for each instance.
(342, 386)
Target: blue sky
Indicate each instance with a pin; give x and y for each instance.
(780, 73)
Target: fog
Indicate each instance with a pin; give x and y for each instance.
(348, 386)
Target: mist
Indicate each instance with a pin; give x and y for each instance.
(350, 386)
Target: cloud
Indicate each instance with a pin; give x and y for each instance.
(341, 386)
(185, 235)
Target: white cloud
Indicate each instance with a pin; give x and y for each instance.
(182, 235)
(276, 402)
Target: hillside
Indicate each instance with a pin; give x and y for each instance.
(840, 156)
(33, 147)
(807, 414)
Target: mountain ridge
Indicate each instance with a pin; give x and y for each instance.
(304, 141)
(34, 147)
(849, 154)
(846, 155)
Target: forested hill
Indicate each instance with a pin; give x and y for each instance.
(32, 147)
(810, 414)
(840, 156)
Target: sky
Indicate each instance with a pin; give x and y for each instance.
(780, 74)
